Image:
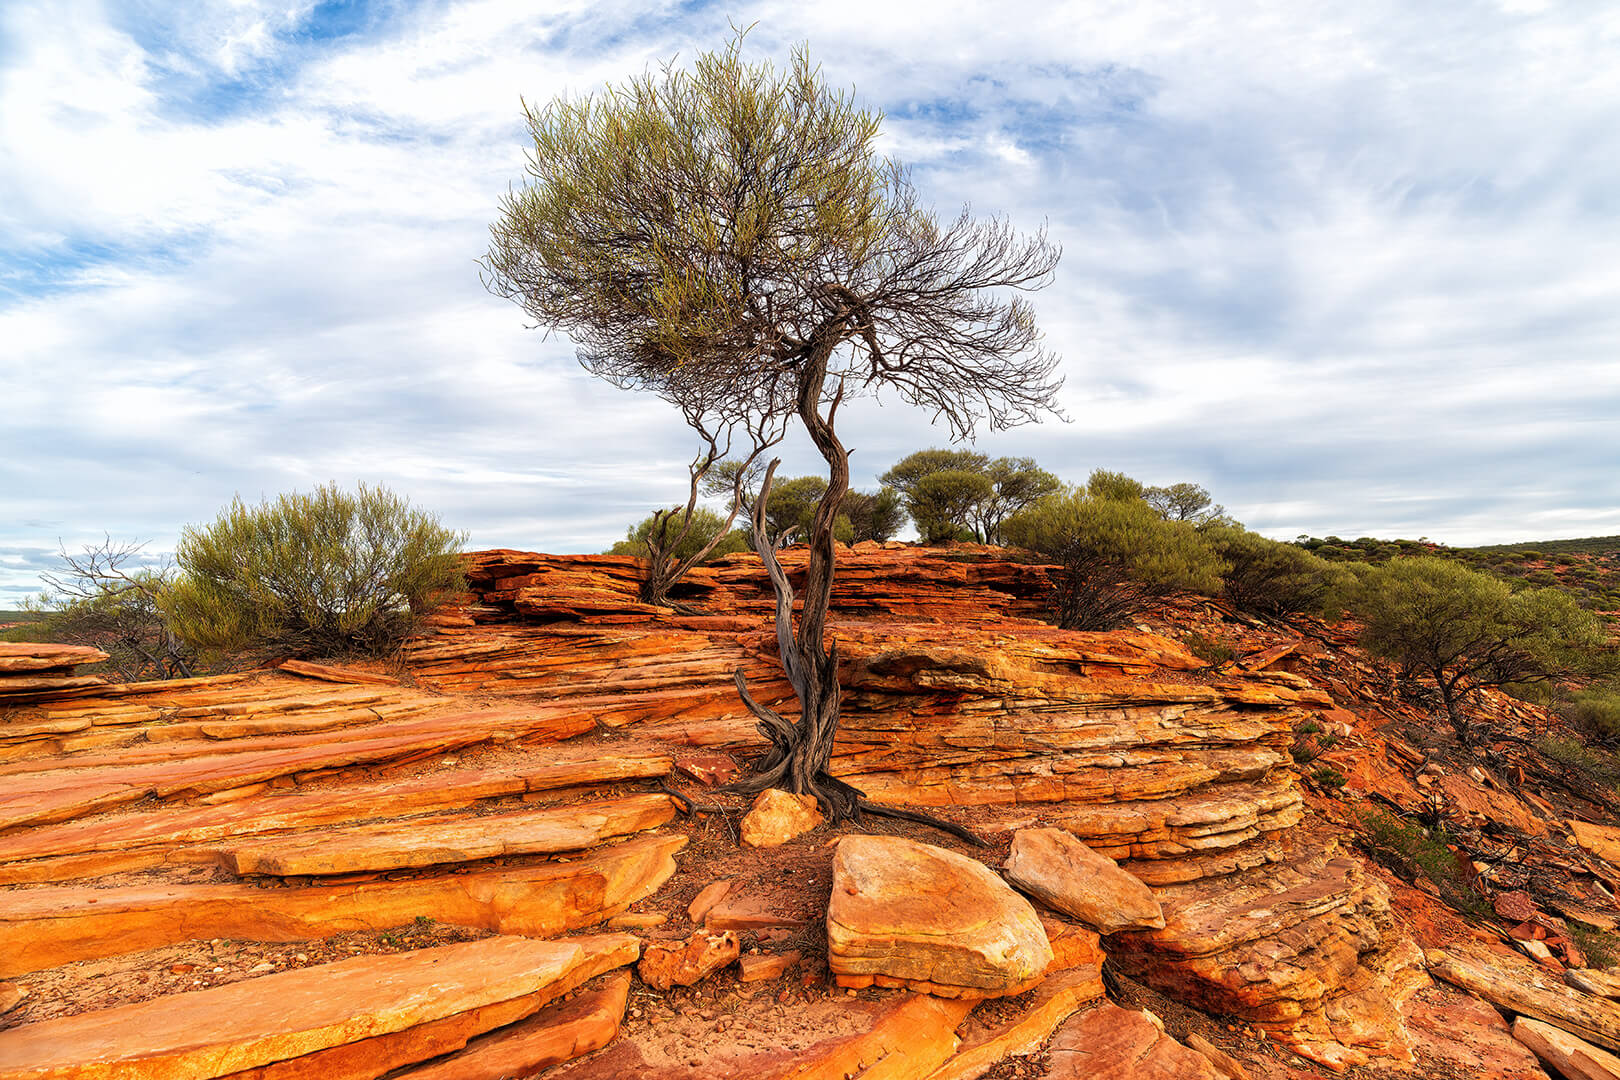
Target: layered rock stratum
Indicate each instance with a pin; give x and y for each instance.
(513, 777)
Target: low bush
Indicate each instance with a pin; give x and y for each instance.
(1116, 555)
(1596, 711)
(1409, 850)
(1269, 577)
(327, 573)
(1211, 650)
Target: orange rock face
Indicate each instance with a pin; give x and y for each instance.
(41, 928)
(560, 1032)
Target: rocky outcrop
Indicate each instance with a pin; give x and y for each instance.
(911, 914)
(46, 927)
(29, 671)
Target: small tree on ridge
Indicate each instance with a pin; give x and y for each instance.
(727, 238)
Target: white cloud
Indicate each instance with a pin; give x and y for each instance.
(1349, 268)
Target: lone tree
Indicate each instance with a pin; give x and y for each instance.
(727, 237)
(1468, 631)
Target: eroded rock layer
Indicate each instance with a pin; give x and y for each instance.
(954, 696)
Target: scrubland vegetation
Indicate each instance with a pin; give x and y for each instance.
(327, 573)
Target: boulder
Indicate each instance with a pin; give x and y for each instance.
(11, 996)
(1575, 1059)
(1067, 876)
(683, 963)
(777, 817)
(905, 913)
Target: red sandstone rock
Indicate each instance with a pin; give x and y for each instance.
(42, 656)
(777, 817)
(560, 1032)
(761, 966)
(1067, 876)
(11, 995)
(42, 928)
(683, 963)
(416, 843)
(709, 769)
(1575, 1059)
(228, 1029)
(1053, 1001)
(710, 895)
(1459, 1030)
(1121, 1045)
(909, 913)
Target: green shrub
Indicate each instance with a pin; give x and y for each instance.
(1116, 554)
(1596, 711)
(1211, 650)
(1601, 947)
(1328, 779)
(1408, 850)
(321, 574)
(1269, 577)
(705, 524)
(1574, 754)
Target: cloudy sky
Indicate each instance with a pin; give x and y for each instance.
(1353, 267)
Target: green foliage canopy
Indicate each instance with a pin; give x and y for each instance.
(1116, 555)
(320, 574)
(1468, 631)
(704, 527)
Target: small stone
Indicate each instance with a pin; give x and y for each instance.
(260, 969)
(777, 817)
(683, 963)
(182, 969)
(711, 895)
(642, 920)
(758, 968)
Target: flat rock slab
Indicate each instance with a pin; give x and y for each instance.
(1459, 1031)
(896, 1037)
(1529, 991)
(1067, 876)
(906, 913)
(42, 656)
(1052, 1002)
(229, 1029)
(396, 845)
(1121, 1044)
(161, 831)
(44, 928)
(1574, 1058)
(560, 1032)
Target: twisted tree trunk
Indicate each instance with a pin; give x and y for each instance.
(800, 753)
